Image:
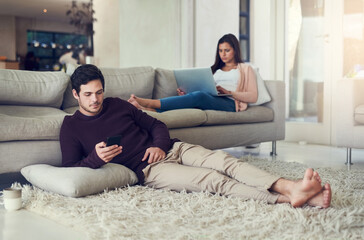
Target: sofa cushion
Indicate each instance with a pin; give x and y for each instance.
(30, 123)
(251, 115)
(263, 94)
(181, 118)
(71, 110)
(32, 88)
(78, 181)
(359, 114)
(121, 82)
(165, 84)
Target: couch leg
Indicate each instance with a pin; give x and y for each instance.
(348, 156)
(274, 149)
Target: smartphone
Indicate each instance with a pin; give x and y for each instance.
(114, 140)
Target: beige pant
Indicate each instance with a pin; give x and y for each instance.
(194, 168)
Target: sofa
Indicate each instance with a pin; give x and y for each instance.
(33, 105)
(350, 115)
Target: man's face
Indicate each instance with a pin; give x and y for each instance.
(90, 97)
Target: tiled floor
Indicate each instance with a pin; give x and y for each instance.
(26, 225)
(310, 155)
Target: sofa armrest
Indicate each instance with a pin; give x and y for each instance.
(358, 88)
(278, 104)
(348, 98)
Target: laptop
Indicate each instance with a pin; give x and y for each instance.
(197, 79)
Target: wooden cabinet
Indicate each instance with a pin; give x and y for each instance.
(9, 65)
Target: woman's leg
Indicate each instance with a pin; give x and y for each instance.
(197, 99)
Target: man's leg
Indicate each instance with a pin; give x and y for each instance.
(177, 177)
(195, 155)
(308, 190)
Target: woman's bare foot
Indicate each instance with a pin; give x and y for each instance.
(322, 199)
(298, 192)
(134, 102)
(142, 103)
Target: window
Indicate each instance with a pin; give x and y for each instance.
(49, 46)
(353, 42)
(244, 30)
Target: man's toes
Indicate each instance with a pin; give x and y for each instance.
(317, 176)
(308, 174)
(327, 195)
(327, 187)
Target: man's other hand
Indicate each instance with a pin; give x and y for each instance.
(155, 154)
(107, 153)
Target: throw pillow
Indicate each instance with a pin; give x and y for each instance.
(263, 94)
(78, 181)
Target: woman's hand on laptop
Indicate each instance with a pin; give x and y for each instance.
(180, 92)
(222, 90)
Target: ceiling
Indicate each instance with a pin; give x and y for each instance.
(56, 9)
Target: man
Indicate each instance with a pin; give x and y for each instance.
(161, 162)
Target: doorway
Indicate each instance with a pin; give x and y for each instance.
(308, 70)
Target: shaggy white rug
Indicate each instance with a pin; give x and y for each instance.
(143, 213)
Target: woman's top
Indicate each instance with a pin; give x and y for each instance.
(246, 90)
(227, 79)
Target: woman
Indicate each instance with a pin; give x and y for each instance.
(231, 75)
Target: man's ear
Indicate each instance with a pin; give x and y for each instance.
(75, 95)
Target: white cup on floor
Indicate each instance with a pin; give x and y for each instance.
(12, 199)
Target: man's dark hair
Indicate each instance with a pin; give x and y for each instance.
(85, 74)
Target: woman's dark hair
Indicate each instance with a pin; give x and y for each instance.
(234, 43)
(84, 74)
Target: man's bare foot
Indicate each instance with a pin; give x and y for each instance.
(298, 192)
(317, 176)
(322, 199)
(305, 189)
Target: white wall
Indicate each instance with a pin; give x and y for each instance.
(107, 31)
(214, 18)
(261, 52)
(162, 33)
(137, 33)
(267, 38)
(150, 33)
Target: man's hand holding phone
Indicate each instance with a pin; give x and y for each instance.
(107, 151)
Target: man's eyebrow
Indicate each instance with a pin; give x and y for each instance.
(96, 91)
